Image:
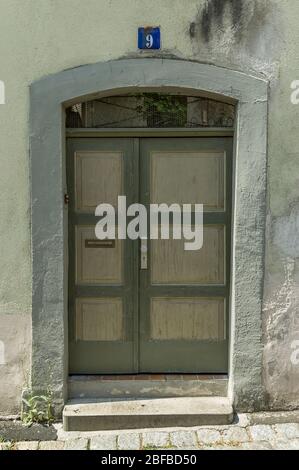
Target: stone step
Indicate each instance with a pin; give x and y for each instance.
(92, 386)
(96, 415)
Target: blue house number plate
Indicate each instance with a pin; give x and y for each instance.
(149, 38)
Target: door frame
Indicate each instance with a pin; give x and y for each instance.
(48, 98)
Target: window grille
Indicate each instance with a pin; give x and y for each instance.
(150, 110)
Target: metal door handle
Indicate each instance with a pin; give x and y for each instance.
(143, 257)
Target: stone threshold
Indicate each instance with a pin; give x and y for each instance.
(128, 413)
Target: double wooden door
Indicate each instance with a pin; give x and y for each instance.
(137, 307)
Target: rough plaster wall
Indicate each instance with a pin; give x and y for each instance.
(281, 313)
(261, 37)
(255, 36)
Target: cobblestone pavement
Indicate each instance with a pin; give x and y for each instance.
(234, 437)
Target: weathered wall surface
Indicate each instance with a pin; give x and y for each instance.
(260, 37)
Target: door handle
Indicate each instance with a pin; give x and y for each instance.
(143, 250)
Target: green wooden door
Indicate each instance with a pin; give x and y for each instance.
(169, 314)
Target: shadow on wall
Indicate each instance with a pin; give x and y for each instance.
(237, 30)
(214, 12)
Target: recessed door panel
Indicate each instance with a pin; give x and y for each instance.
(99, 319)
(190, 319)
(97, 262)
(191, 177)
(172, 264)
(98, 178)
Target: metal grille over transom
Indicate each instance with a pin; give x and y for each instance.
(150, 110)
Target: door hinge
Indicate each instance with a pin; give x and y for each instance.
(66, 199)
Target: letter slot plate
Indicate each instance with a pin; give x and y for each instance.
(99, 243)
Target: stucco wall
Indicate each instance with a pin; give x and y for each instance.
(261, 37)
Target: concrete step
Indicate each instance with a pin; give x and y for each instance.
(96, 415)
(93, 386)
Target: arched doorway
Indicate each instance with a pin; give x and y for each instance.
(49, 98)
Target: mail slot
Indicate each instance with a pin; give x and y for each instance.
(99, 243)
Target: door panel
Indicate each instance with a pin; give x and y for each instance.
(189, 177)
(99, 177)
(97, 263)
(171, 264)
(193, 318)
(99, 319)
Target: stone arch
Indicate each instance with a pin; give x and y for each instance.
(48, 97)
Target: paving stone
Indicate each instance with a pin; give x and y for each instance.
(287, 430)
(183, 448)
(294, 443)
(103, 442)
(242, 420)
(7, 445)
(262, 432)
(215, 427)
(208, 436)
(283, 444)
(183, 439)
(76, 444)
(51, 445)
(155, 439)
(224, 447)
(235, 434)
(259, 445)
(26, 445)
(129, 441)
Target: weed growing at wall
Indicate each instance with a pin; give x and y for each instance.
(38, 409)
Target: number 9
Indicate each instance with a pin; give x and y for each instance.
(149, 41)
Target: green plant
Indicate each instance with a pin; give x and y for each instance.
(5, 444)
(37, 409)
(168, 107)
(164, 103)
